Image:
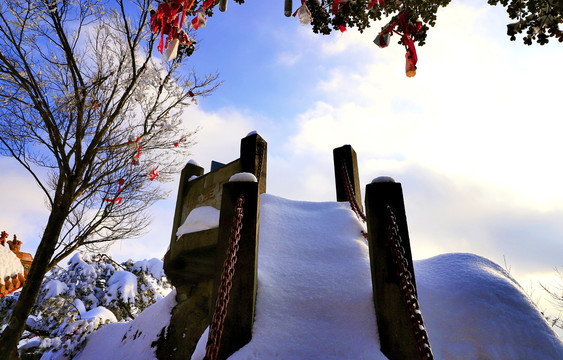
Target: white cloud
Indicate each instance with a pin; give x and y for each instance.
(220, 133)
(24, 210)
(469, 112)
(473, 137)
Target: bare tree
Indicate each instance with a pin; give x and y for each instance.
(93, 117)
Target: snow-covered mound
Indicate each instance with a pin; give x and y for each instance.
(471, 306)
(314, 298)
(10, 265)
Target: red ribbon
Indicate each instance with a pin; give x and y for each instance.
(168, 19)
(372, 4)
(135, 160)
(115, 200)
(407, 30)
(407, 39)
(183, 139)
(335, 7)
(153, 174)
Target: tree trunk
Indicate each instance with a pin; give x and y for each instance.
(11, 335)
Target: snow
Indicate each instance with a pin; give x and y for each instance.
(80, 307)
(382, 179)
(243, 177)
(100, 313)
(54, 288)
(121, 285)
(193, 162)
(154, 266)
(473, 307)
(10, 265)
(314, 299)
(80, 266)
(200, 218)
(132, 340)
(253, 132)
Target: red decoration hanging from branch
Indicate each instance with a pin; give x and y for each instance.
(408, 29)
(153, 174)
(168, 19)
(117, 200)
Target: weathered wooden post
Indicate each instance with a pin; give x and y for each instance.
(190, 263)
(254, 159)
(237, 330)
(346, 164)
(396, 335)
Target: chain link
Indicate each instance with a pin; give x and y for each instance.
(350, 194)
(223, 296)
(260, 160)
(351, 198)
(408, 290)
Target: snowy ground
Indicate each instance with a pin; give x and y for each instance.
(315, 302)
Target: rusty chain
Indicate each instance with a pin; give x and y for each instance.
(261, 151)
(408, 290)
(223, 296)
(351, 198)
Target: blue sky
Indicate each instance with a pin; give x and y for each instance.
(474, 138)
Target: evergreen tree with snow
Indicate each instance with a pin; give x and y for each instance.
(91, 292)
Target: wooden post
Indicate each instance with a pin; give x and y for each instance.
(190, 263)
(395, 329)
(237, 330)
(346, 155)
(252, 148)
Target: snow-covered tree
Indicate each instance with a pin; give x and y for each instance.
(93, 117)
(91, 292)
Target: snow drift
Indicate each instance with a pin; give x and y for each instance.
(314, 299)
